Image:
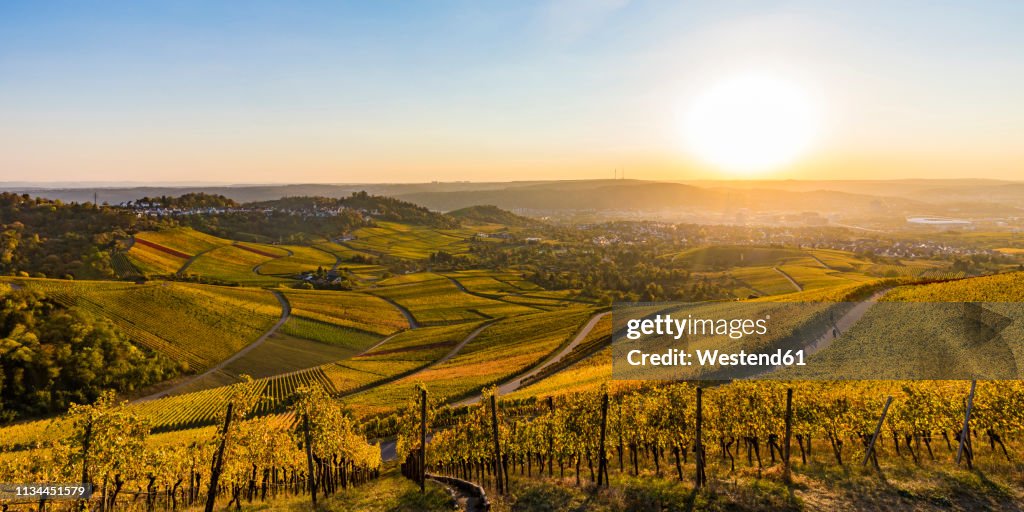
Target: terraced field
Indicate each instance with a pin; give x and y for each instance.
(502, 350)
(838, 260)
(196, 324)
(165, 252)
(493, 284)
(335, 335)
(353, 310)
(302, 259)
(436, 300)
(237, 263)
(811, 275)
(763, 280)
(409, 242)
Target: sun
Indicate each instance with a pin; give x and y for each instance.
(751, 123)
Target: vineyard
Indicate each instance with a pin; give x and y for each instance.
(711, 437)
(301, 259)
(177, 320)
(439, 301)
(111, 447)
(166, 252)
(235, 264)
(409, 242)
(358, 311)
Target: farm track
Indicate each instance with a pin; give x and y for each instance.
(451, 353)
(413, 324)
(789, 278)
(286, 313)
(256, 269)
(483, 296)
(190, 261)
(337, 259)
(823, 264)
(516, 382)
(387, 447)
(844, 323)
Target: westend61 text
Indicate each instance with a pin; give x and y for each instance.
(677, 357)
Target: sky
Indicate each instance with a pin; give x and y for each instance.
(347, 92)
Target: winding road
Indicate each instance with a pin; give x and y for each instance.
(286, 312)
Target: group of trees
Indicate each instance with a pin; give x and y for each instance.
(189, 200)
(51, 356)
(613, 273)
(45, 238)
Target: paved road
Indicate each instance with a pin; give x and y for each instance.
(405, 312)
(286, 312)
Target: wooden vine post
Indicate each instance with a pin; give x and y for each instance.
(551, 440)
(701, 477)
(497, 444)
(423, 441)
(309, 458)
(874, 438)
(965, 432)
(787, 469)
(218, 460)
(602, 464)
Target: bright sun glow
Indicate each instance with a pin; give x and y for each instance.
(751, 123)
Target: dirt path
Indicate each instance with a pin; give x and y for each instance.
(822, 263)
(256, 269)
(516, 382)
(789, 278)
(286, 312)
(337, 259)
(188, 262)
(483, 296)
(843, 324)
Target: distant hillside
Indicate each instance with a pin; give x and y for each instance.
(379, 207)
(490, 214)
(646, 195)
(981, 198)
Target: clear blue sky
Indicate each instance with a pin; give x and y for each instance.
(418, 91)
